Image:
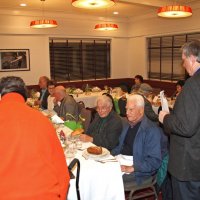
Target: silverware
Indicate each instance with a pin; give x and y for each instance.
(105, 161)
(86, 158)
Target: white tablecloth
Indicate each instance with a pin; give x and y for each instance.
(88, 99)
(97, 181)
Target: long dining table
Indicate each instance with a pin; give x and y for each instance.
(98, 181)
(89, 99)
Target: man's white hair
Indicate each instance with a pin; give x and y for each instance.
(106, 100)
(138, 99)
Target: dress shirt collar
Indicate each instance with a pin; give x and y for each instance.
(43, 90)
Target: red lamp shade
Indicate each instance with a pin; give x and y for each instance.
(44, 23)
(106, 27)
(175, 11)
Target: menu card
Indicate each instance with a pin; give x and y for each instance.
(164, 102)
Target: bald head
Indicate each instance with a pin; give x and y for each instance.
(60, 92)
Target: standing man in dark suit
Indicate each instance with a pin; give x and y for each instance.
(183, 123)
(43, 84)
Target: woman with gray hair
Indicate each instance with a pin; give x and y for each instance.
(106, 127)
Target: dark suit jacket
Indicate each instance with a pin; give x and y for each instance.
(44, 100)
(148, 110)
(184, 125)
(109, 133)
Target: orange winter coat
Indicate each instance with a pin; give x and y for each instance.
(32, 163)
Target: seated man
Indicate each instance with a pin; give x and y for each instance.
(106, 127)
(138, 80)
(33, 165)
(50, 99)
(140, 138)
(44, 93)
(64, 105)
(145, 90)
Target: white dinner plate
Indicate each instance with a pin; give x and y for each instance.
(104, 154)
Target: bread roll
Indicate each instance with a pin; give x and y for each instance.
(95, 150)
(77, 132)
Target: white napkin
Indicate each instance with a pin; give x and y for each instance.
(164, 102)
(57, 120)
(124, 160)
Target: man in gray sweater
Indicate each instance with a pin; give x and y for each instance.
(65, 104)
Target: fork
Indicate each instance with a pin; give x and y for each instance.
(108, 160)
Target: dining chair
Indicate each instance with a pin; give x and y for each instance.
(86, 114)
(146, 189)
(122, 106)
(81, 105)
(75, 163)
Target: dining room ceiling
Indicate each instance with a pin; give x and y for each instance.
(126, 8)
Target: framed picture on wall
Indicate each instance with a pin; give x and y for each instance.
(14, 60)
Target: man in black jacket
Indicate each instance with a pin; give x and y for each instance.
(106, 127)
(44, 93)
(183, 123)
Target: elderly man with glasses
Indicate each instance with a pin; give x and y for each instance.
(105, 129)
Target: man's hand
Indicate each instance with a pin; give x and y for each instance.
(162, 116)
(85, 138)
(127, 169)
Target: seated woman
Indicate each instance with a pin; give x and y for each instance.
(106, 127)
(179, 87)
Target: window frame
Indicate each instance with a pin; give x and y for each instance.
(90, 59)
(170, 76)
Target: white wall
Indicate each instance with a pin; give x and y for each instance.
(15, 33)
(137, 57)
(39, 55)
(119, 58)
(150, 25)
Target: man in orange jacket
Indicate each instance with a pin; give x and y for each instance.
(32, 163)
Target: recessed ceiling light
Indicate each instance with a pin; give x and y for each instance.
(23, 4)
(115, 13)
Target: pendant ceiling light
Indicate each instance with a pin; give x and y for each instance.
(175, 11)
(93, 4)
(106, 27)
(43, 23)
